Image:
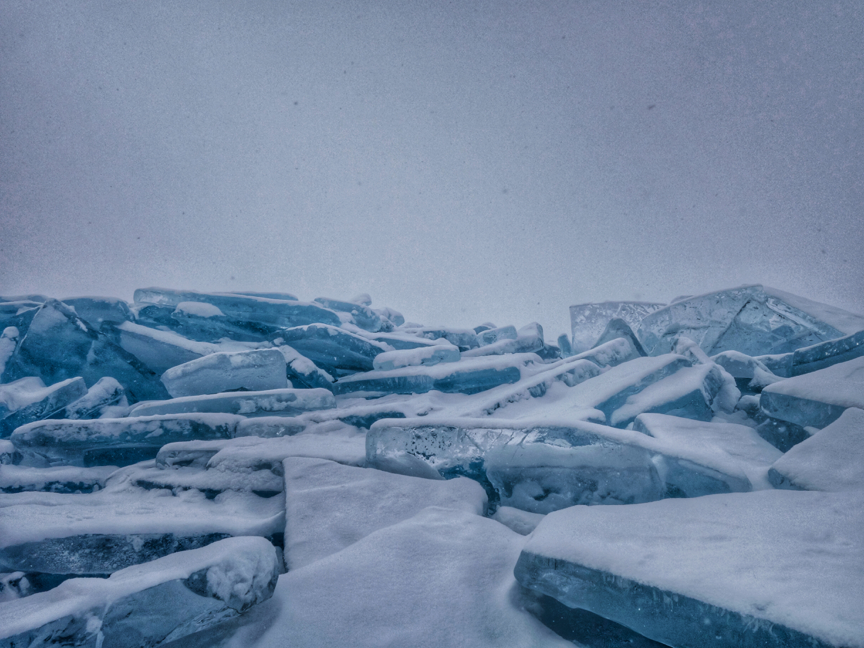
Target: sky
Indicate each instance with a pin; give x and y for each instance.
(461, 162)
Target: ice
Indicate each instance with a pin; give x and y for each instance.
(492, 335)
(329, 506)
(9, 455)
(428, 356)
(362, 315)
(59, 345)
(275, 312)
(565, 346)
(735, 570)
(589, 321)
(272, 402)
(104, 399)
(146, 605)
(124, 524)
(468, 376)
(268, 295)
(159, 350)
(465, 339)
(830, 460)
(750, 374)
(745, 319)
(337, 351)
(529, 339)
(116, 441)
(826, 354)
(96, 310)
(222, 372)
(8, 341)
(440, 578)
(818, 398)
(302, 372)
(522, 522)
(28, 399)
(57, 479)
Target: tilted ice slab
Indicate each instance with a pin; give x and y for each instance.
(362, 315)
(468, 376)
(276, 312)
(746, 319)
(589, 321)
(103, 398)
(302, 372)
(146, 605)
(440, 578)
(818, 398)
(123, 525)
(542, 465)
(830, 460)
(272, 402)
(772, 568)
(529, 339)
(256, 370)
(750, 374)
(9, 455)
(55, 479)
(826, 354)
(97, 310)
(427, 356)
(465, 339)
(116, 441)
(493, 335)
(28, 399)
(329, 506)
(159, 350)
(336, 350)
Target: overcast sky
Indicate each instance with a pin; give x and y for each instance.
(461, 162)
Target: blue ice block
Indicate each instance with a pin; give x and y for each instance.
(588, 321)
(363, 316)
(28, 399)
(337, 351)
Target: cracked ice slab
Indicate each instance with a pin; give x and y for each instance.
(118, 441)
(272, 402)
(830, 460)
(733, 570)
(589, 321)
(145, 605)
(55, 479)
(256, 370)
(28, 399)
(818, 398)
(746, 319)
(329, 506)
(468, 376)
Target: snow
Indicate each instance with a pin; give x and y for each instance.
(788, 558)
(199, 309)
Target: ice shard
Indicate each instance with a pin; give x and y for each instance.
(147, 605)
(826, 354)
(589, 321)
(362, 315)
(158, 349)
(680, 573)
(28, 399)
(256, 370)
(830, 460)
(272, 402)
(745, 319)
(96, 310)
(337, 351)
(818, 398)
(106, 398)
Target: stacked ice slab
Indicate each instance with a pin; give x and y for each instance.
(689, 473)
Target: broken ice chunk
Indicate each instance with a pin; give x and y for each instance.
(680, 573)
(60, 345)
(257, 370)
(28, 399)
(490, 336)
(272, 402)
(302, 372)
(363, 316)
(8, 342)
(96, 310)
(522, 522)
(818, 398)
(588, 321)
(742, 319)
(159, 350)
(146, 605)
(465, 339)
(329, 506)
(565, 346)
(336, 350)
(826, 354)
(106, 396)
(468, 376)
(428, 356)
(830, 460)
(618, 328)
(276, 312)
(9, 455)
(528, 339)
(117, 442)
(750, 374)
(56, 479)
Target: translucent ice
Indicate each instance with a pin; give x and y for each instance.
(222, 372)
(28, 399)
(337, 351)
(302, 372)
(362, 315)
(149, 604)
(745, 319)
(735, 570)
(96, 310)
(490, 336)
(829, 353)
(589, 321)
(529, 339)
(159, 350)
(272, 402)
(818, 398)
(465, 339)
(830, 460)
(103, 398)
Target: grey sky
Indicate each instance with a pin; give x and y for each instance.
(461, 162)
